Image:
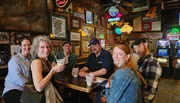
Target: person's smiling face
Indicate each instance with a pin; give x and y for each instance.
(25, 47)
(43, 49)
(119, 56)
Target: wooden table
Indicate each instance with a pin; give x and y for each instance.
(76, 83)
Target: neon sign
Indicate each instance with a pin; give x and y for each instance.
(62, 3)
(113, 11)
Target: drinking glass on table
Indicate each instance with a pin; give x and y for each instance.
(89, 79)
(75, 72)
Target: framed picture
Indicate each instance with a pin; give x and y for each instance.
(75, 23)
(19, 35)
(76, 49)
(4, 37)
(89, 18)
(84, 46)
(75, 36)
(58, 27)
(88, 31)
(145, 5)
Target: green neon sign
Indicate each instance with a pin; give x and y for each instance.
(175, 31)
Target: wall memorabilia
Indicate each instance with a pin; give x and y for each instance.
(84, 46)
(89, 18)
(58, 27)
(4, 37)
(88, 31)
(75, 36)
(75, 23)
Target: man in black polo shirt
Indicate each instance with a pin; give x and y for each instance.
(99, 62)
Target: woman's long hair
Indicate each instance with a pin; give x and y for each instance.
(130, 63)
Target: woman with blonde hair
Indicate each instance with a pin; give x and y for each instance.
(124, 85)
(42, 72)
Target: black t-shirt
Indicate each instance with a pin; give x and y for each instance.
(104, 60)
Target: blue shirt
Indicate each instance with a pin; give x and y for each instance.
(18, 73)
(124, 87)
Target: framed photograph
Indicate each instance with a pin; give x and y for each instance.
(88, 31)
(75, 36)
(58, 27)
(145, 5)
(4, 37)
(84, 46)
(75, 23)
(76, 49)
(89, 18)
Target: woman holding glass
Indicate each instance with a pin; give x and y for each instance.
(42, 72)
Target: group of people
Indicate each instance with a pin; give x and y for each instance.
(118, 74)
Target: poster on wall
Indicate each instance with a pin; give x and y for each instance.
(4, 37)
(144, 5)
(89, 17)
(151, 19)
(88, 31)
(153, 14)
(58, 26)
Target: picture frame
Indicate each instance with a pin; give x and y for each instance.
(75, 23)
(84, 46)
(4, 37)
(88, 17)
(19, 35)
(58, 26)
(145, 5)
(76, 49)
(75, 36)
(88, 31)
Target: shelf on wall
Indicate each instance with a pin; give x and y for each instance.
(2, 78)
(4, 42)
(3, 67)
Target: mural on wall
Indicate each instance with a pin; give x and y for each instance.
(25, 15)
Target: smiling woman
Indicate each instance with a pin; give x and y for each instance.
(41, 69)
(18, 73)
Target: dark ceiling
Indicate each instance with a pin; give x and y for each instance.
(168, 4)
(171, 4)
